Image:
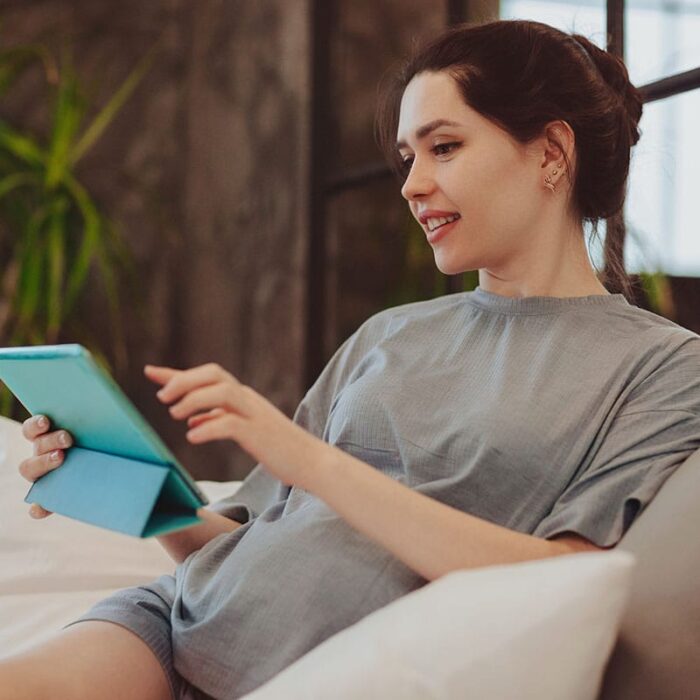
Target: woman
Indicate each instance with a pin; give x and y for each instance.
(533, 417)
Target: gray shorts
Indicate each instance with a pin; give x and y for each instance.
(145, 610)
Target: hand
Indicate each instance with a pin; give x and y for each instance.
(48, 454)
(218, 407)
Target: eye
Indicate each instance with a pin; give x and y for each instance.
(448, 147)
(405, 165)
(439, 149)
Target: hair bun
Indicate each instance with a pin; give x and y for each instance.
(614, 72)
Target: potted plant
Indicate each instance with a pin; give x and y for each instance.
(52, 231)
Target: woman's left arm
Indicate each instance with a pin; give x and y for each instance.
(428, 536)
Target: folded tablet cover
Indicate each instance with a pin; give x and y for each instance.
(119, 475)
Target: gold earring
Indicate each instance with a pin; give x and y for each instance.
(548, 180)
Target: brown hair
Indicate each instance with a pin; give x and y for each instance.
(523, 74)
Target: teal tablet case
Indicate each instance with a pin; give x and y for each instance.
(119, 475)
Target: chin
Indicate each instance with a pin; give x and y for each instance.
(449, 267)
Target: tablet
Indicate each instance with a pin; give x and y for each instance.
(64, 383)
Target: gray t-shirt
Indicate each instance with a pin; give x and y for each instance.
(542, 414)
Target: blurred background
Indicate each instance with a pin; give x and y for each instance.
(189, 181)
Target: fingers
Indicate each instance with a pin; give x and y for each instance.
(48, 454)
(224, 427)
(35, 467)
(34, 426)
(159, 375)
(37, 512)
(59, 439)
(222, 395)
(185, 381)
(194, 421)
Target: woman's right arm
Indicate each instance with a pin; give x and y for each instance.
(49, 450)
(179, 545)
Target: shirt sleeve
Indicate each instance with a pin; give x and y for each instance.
(260, 489)
(654, 432)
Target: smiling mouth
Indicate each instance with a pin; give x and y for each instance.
(435, 223)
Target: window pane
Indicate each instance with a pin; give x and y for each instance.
(662, 209)
(661, 38)
(587, 18)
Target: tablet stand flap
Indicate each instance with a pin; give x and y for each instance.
(113, 492)
(176, 507)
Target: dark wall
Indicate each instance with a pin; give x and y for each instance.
(369, 228)
(376, 253)
(205, 171)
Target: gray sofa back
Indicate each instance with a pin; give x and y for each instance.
(657, 656)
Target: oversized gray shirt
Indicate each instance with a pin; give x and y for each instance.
(542, 414)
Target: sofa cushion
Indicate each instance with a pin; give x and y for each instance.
(658, 649)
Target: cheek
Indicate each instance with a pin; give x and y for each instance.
(472, 176)
(507, 191)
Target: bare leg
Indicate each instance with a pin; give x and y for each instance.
(92, 660)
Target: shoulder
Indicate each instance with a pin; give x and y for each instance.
(630, 321)
(669, 376)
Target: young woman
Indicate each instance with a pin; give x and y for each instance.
(533, 417)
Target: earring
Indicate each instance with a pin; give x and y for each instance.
(548, 180)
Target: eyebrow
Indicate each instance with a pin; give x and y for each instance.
(424, 130)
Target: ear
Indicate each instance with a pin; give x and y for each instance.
(558, 139)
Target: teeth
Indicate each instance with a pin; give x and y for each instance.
(433, 223)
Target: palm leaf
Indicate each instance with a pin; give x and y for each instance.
(109, 111)
(22, 147)
(68, 114)
(91, 239)
(32, 261)
(15, 180)
(56, 263)
(15, 59)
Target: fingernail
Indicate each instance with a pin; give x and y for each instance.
(55, 456)
(42, 422)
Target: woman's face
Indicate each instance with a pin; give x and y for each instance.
(471, 169)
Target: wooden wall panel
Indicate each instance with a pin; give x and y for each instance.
(206, 171)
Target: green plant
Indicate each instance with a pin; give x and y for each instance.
(657, 287)
(52, 231)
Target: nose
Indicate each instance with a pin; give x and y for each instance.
(419, 182)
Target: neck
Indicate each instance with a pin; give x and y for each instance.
(548, 268)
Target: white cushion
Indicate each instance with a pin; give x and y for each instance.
(539, 630)
(52, 570)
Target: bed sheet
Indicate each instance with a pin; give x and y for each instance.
(54, 569)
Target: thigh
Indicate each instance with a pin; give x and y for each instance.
(91, 660)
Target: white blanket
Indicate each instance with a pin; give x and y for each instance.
(53, 570)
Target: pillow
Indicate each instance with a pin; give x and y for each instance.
(52, 570)
(538, 630)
